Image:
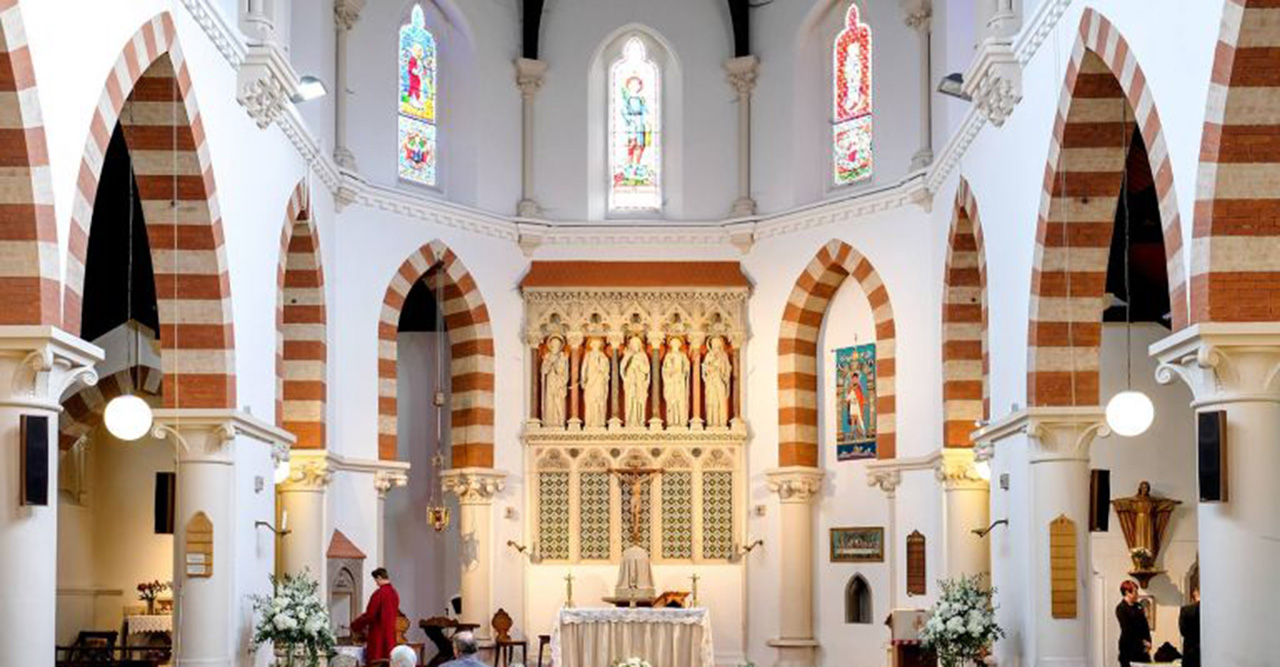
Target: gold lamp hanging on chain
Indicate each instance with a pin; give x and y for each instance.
(437, 511)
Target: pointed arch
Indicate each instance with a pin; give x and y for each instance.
(29, 282)
(1236, 241)
(1105, 96)
(965, 364)
(857, 601)
(175, 181)
(301, 326)
(471, 347)
(798, 353)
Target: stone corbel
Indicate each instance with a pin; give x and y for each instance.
(742, 234)
(54, 362)
(474, 486)
(265, 82)
(531, 235)
(309, 471)
(886, 480)
(350, 185)
(994, 80)
(956, 469)
(795, 484)
(385, 480)
(1222, 362)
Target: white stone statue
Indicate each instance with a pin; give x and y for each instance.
(555, 382)
(675, 383)
(595, 384)
(717, 368)
(635, 380)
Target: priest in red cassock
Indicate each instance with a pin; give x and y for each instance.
(378, 622)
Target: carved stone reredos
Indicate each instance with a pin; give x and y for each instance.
(692, 313)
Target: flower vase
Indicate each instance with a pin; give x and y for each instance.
(151, 607)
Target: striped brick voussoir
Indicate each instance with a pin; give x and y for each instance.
(471, 347)
(82, 412)
(798, 407)
(29, 281)
(1104, 97)
(965, 364)
(301, 347)
(1235, 258)
(149, 93)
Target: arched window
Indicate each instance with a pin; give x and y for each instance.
(417, 155)
(857, 600)
(851, 101)
(635, 131)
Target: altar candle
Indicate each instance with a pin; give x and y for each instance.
(284, 520)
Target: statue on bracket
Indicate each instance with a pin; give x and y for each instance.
(635, 380)
(716, 371)
(595, 384)
(1145, 520)
(555, 382)
(675, 384)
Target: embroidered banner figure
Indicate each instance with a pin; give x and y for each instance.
(856, 402)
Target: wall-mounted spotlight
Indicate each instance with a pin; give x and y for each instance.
(309, 88)
(952, 85)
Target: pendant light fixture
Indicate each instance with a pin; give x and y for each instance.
(128, 417)
(1130, 412)
(437, 511)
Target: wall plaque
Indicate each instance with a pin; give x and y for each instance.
(917, 579)
(198, 558)
(1063, 586)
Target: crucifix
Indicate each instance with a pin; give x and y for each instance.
(637, 477)
(568, 593)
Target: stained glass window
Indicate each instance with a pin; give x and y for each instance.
(417, 137)
(851, 101)
(635, 131)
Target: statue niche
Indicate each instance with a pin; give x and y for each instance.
(1144, 519)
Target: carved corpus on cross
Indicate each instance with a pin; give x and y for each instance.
(637, 476)
(568, 593)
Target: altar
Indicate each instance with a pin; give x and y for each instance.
(662, 637)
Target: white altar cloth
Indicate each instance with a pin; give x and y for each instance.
(662, 637)
(141, 624)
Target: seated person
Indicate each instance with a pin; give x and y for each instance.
(403, 656)
(464, 645)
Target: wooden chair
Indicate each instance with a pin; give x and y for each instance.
(93, 646)
(504, 645)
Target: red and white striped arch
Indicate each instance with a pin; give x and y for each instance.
(29, 281)
(798, 407)
(1235, 259)
(965, 365)
(82, 411)
(149, 93)
(301, 347)
(471, 347)
(1104, 95)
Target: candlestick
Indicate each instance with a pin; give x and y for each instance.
(695, 578)
(568, 580)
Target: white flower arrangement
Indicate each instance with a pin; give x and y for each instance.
(962, 624)
(632, 662)
(294, 620)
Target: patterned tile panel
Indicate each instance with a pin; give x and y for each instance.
(677, 515)
(717, 514)
(553, 517)
(596, 516)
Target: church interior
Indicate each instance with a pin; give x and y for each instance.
(677, 333)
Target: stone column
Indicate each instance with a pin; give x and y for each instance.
(615, 393)
(575, 366)
(303, 497)
(257, 20)
(695, 369)
(796, 487)
(385, 479)
(735, 407)
(1058, 440)
(656, 339)
(919, 17)
(207, 607)
(742, 76)
(997, 19)
(475, 488)
(529, 76)
(345, 15)
(37, 365)
(966, 503)
(535, 380)
(888, 480)
(1235, 368)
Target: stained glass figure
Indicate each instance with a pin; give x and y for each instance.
(635, 131)
(851, 101)
(417, 136)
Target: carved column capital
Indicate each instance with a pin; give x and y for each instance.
(385, 480)
(886, 480)
(308, 471)
(474, 486)
(956, 470)
(347, 12)
(202, 434)
(741, 73)
(795, 484)
(530, 74)
(1223, 362)
(43, 363)
(994, 80)
(917, 14)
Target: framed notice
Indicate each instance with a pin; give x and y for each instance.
(857, 545)
(197, 558)
(917, 577)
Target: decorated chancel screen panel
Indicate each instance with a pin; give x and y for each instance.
(635, 429)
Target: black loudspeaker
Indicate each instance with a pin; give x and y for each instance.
(34, 464)
(1211, 432)
(165, 487)
(1099, 500)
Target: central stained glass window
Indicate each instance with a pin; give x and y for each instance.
(635, 131)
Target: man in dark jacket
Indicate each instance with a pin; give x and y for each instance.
(1135, 634)
(1189, 626)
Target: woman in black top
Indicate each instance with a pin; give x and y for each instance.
(1189, 625)
(1135, 634)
